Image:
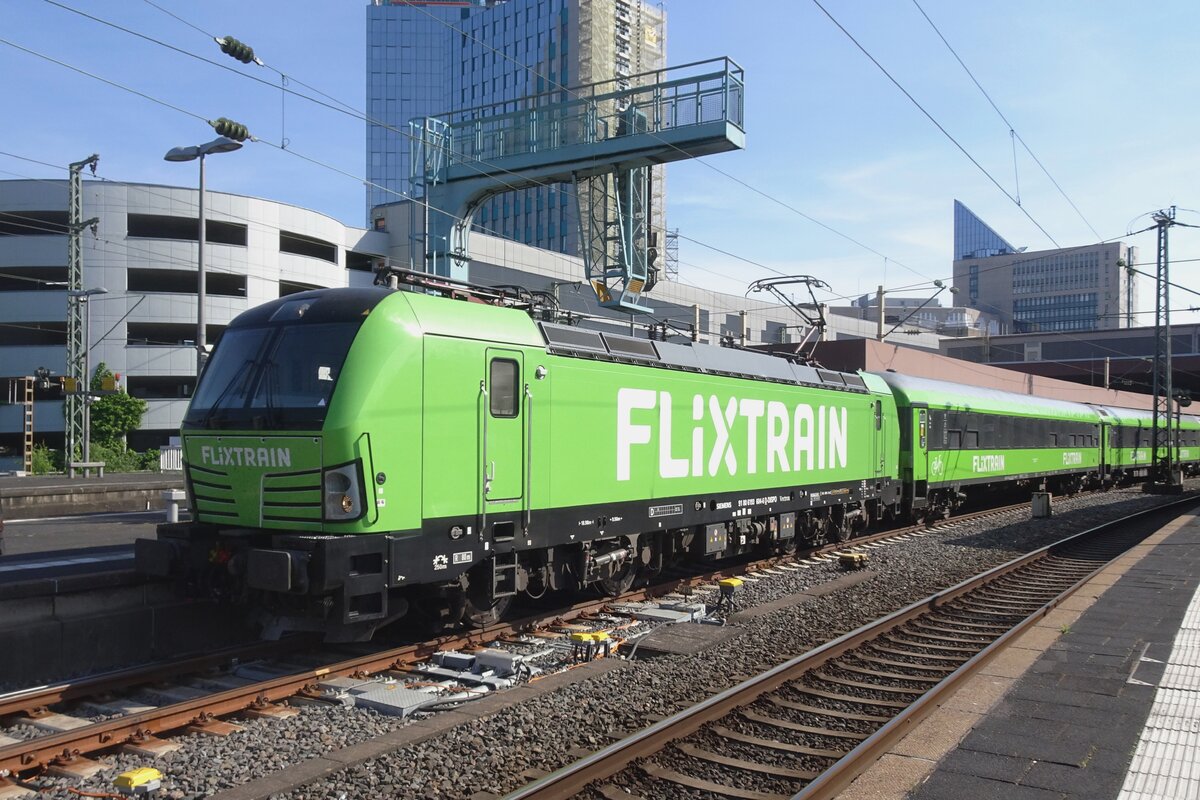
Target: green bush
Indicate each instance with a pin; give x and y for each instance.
(150, 460)
(120, 459)
(46, 460)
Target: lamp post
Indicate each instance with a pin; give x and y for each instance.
(83, 296)
(221, 144)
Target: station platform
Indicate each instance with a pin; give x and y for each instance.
(1100, 700)
(59, 495)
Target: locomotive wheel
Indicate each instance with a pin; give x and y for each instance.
(619, 583)
(480, 606)
(484, 614)
(838, 533)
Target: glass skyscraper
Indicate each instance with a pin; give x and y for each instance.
(427, 58)
(974, 238)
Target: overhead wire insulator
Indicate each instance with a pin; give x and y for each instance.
(238, 49)
(230, 129)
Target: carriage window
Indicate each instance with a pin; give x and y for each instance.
(955, 440)
(502, 379)
(972, 440)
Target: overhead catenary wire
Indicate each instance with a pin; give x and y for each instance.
(312, 160)
(534, 72)
(717, 308)
(346, 108)
(317, 162)
(140, 94)
(933, 120)
(1011, 128)
(124, 247)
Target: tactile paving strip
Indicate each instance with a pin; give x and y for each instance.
(1165, 766)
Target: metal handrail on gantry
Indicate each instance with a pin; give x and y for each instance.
(601, 137)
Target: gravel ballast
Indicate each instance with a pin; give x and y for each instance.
(497, 753)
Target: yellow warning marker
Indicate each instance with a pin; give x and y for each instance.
(142, 780)
(586, 645)
(852, 560)
(727, 586)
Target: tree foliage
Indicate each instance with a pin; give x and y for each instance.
(113, 415)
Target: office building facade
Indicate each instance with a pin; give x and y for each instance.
(432, 58)
(1069, 289)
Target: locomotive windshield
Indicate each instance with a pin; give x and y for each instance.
(272, 377)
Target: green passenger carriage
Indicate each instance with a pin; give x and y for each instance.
(955, 436)
(1128, 440)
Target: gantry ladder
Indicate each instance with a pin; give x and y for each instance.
(26, 391)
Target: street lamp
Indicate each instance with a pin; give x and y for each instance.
(83, 296)
(221, 144)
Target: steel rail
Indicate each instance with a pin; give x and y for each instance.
(842, 773)
(26, 756)
(36, 697)
(604, 764)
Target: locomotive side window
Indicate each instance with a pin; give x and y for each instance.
(503, 378)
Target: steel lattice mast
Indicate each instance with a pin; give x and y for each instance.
(1163, 433)
(75, 345)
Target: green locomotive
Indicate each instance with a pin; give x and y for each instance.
(352, 455)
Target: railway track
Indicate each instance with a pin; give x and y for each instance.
(807, 727)
(65, 712)
(69, 737)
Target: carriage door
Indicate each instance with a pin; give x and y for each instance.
(502, 413)
(920, 451)
(880, 442)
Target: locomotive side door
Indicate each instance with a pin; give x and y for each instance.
(502, 411)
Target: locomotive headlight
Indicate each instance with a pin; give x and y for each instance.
(343, 493)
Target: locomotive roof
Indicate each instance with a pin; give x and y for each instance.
(314, 306)
(956, 395)
(697, 357)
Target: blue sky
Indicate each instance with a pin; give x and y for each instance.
(1103, 92)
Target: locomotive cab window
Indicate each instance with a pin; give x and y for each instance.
(503, 378)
